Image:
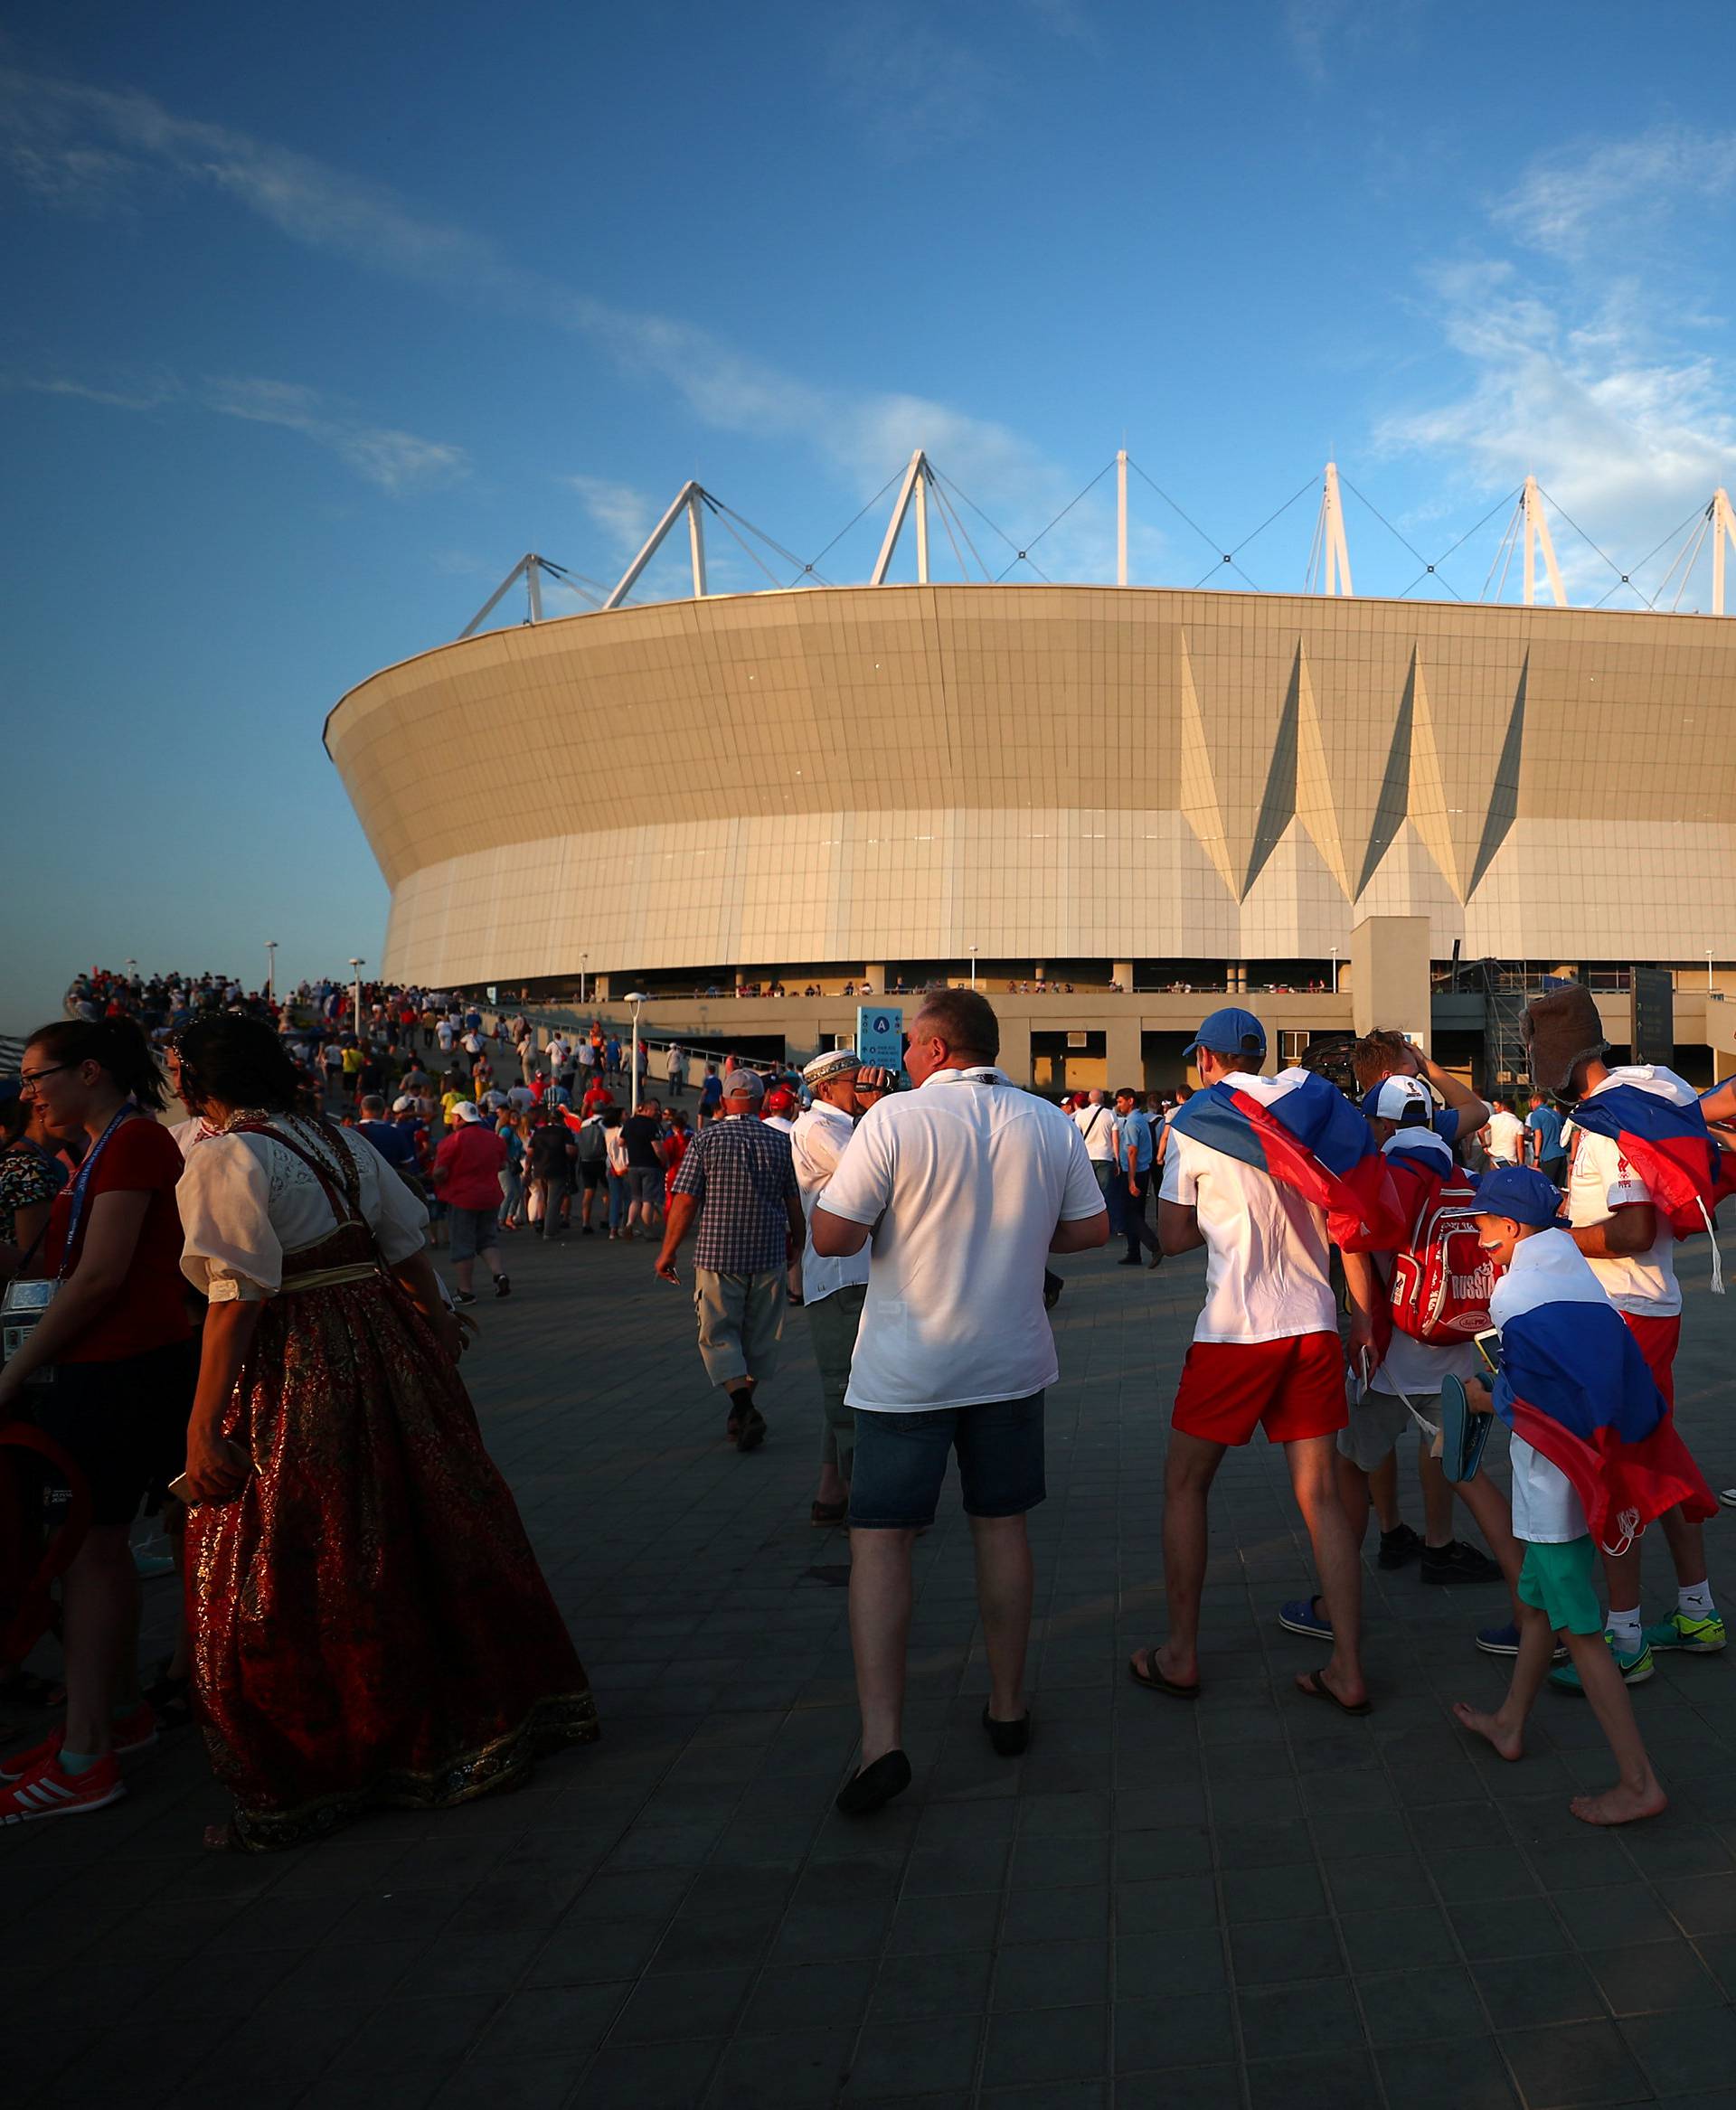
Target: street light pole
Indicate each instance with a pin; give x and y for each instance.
(973, 967)
(1333, 949)
(1708, 987)
(356, 971)
(583, 961)
(636, 997)
(270, 966)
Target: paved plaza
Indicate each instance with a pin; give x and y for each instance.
(1253, 1901)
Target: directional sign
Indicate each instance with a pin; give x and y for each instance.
(879, 1035)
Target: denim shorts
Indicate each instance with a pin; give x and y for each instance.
(474, 1230)
(901, 1462)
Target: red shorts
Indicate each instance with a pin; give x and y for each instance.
(1293, 1387)
(1658, 1340)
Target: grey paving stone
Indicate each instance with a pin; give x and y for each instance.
(1055, 2044)
(1468, 2074)
(954, 1983)
(1281, 2021)
(915, 2058)
(1326, 2080)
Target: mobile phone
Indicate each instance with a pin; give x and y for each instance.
(1488, 1346)
(239, 1458)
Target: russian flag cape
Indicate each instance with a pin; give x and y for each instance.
(1305, 1133)
(1656, 1122)
(1574, 1385)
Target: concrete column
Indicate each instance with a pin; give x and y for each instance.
(875, 972)
(1235, 978)
(600, 988)
(1390, 969)
(1121, 971)
(1123, 1056)
(1016, 1048)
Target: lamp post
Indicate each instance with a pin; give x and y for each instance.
(584, 961)
(132, 969)
(270, 966)
(973, 967)
(356, 992)
(636, 997)
(1334, 950)
(1708, 987)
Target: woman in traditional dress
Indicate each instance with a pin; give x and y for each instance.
(370, 1627)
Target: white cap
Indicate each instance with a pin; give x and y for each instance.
(1406, 1100)
(467, 1110)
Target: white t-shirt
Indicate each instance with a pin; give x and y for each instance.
(1599, 1180)
(1548, 1269)
(966, 1179)
(1097, 1126)
(1415, 1367)
(1267, 1261)
(1507, 1137)
(816, 1142)
(558, 1053)
(443, 1035)
(587, 1055)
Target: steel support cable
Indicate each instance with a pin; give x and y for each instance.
(844, 530)
(1065, 510)
(789, 556)
(1397, 537)
(1699, 513)
(955, 528)
(1211, 542)
(941, 499)
(1465, 538)
(1622, 578)
(1019, 555)
(1230, 556)
(729, 529)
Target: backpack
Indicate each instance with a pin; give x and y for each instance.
(1442, 1278)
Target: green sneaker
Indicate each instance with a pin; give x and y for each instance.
(1635, 1669)
(1695, 1637)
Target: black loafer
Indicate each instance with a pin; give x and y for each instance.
(1009, 1738)
(874, 1786)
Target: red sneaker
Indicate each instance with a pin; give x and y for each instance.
(136, 1733)
(52, 1792)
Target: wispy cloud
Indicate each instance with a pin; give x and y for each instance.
(861, 435)
(624, 515)
(385, 454)
(1586, 363)
(913, 90)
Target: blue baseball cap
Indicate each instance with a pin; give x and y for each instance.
(1231, 1031)
(1521, 1192)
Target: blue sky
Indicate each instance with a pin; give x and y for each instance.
(319, 323)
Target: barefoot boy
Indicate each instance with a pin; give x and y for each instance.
(1595, 1459)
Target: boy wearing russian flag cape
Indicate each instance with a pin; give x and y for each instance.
(1595, 1459)
(1643, 1172)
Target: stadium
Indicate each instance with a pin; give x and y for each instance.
(1340, 807)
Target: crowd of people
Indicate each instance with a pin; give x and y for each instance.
(239, 1319)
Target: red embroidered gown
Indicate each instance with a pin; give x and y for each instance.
(370, 1627)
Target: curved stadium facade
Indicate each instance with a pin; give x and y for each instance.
(813, 781)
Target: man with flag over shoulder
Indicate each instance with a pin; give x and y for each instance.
(1266, 1174)
(1643, 1172)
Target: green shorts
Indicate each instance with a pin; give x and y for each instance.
(1561, 1581)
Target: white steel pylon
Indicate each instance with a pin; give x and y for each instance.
(690, 499)
(1329, 558)
(917, 476)
(1723, 532)
(531, 568)
(1537, 535)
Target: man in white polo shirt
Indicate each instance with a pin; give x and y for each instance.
(965, 1185)
(832, 1290)
(1265, 1354)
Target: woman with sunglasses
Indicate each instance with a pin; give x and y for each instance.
(115, 1339)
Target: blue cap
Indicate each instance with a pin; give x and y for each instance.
(1231, 1031)
(1521, 1192)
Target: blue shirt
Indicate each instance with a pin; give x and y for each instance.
(1546, 1123)
(1133, 1142)
(395, 1144)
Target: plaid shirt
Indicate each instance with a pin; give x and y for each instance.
(741, 1174)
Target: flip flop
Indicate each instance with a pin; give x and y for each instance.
(1464, 1435)
(1154, 1680)
(1313, 1685)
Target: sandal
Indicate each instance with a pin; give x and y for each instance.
(1313, 1684)
(828, 1512)
(1154, 1680)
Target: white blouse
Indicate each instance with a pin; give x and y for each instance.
(245, 1202)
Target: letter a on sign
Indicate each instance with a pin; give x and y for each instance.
(879, 1035)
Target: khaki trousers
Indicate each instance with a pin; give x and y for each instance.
(741, 1323)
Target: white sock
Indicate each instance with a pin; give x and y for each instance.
(1625, 1626)
(1695, 1600)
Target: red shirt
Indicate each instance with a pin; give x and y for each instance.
(141, 1157)
(472, 1156)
